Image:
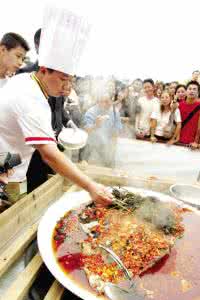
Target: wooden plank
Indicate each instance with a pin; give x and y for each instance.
(21, 285)
(119, 177)
(55, 292)
(16, 249)
(28, 209)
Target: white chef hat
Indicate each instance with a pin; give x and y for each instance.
(63, 38)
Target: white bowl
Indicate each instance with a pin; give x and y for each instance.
(73, 138)
(187, 193)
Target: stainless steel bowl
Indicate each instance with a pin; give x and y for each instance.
(187, 193)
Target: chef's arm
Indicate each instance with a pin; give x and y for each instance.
(60, 164)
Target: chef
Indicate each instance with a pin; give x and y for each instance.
(25, 123)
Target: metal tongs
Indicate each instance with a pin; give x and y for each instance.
(114, 291)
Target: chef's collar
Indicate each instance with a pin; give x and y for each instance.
(41, 86)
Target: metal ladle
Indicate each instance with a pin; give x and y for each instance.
(114, 291)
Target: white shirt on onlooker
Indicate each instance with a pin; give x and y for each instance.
(146, 106)
(3, 81)
(162, 119)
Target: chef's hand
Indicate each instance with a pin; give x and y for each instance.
(100, 194)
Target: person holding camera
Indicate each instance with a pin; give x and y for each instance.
(7, 162)
(13, 48)
(4, 202)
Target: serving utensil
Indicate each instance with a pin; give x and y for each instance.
(73, 138)
(187, 193)
(114, 291)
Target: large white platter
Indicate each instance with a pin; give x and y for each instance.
(47, 224)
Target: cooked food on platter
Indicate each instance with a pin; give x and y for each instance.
(140, 230)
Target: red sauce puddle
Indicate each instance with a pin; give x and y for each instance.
(71, 262)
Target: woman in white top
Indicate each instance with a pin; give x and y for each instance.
(165, 123)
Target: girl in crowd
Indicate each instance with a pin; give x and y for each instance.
(159, 87)
(158, 93)
(172, 89)
(165, 124)
(180, 93)
(122, 104)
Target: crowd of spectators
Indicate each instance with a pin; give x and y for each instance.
(156, 112)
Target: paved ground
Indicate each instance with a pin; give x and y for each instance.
(145, 159)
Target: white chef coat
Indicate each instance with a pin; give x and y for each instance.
(25, 120)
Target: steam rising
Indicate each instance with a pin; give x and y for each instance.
(148, 208)
(158, 213)
(124, 100)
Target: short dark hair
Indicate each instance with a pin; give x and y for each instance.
(193, 82)
(195, 71)
(176, 82)
(137, 79)
(37, 37)
(179, 86)
(13, 40)
(148, 80)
